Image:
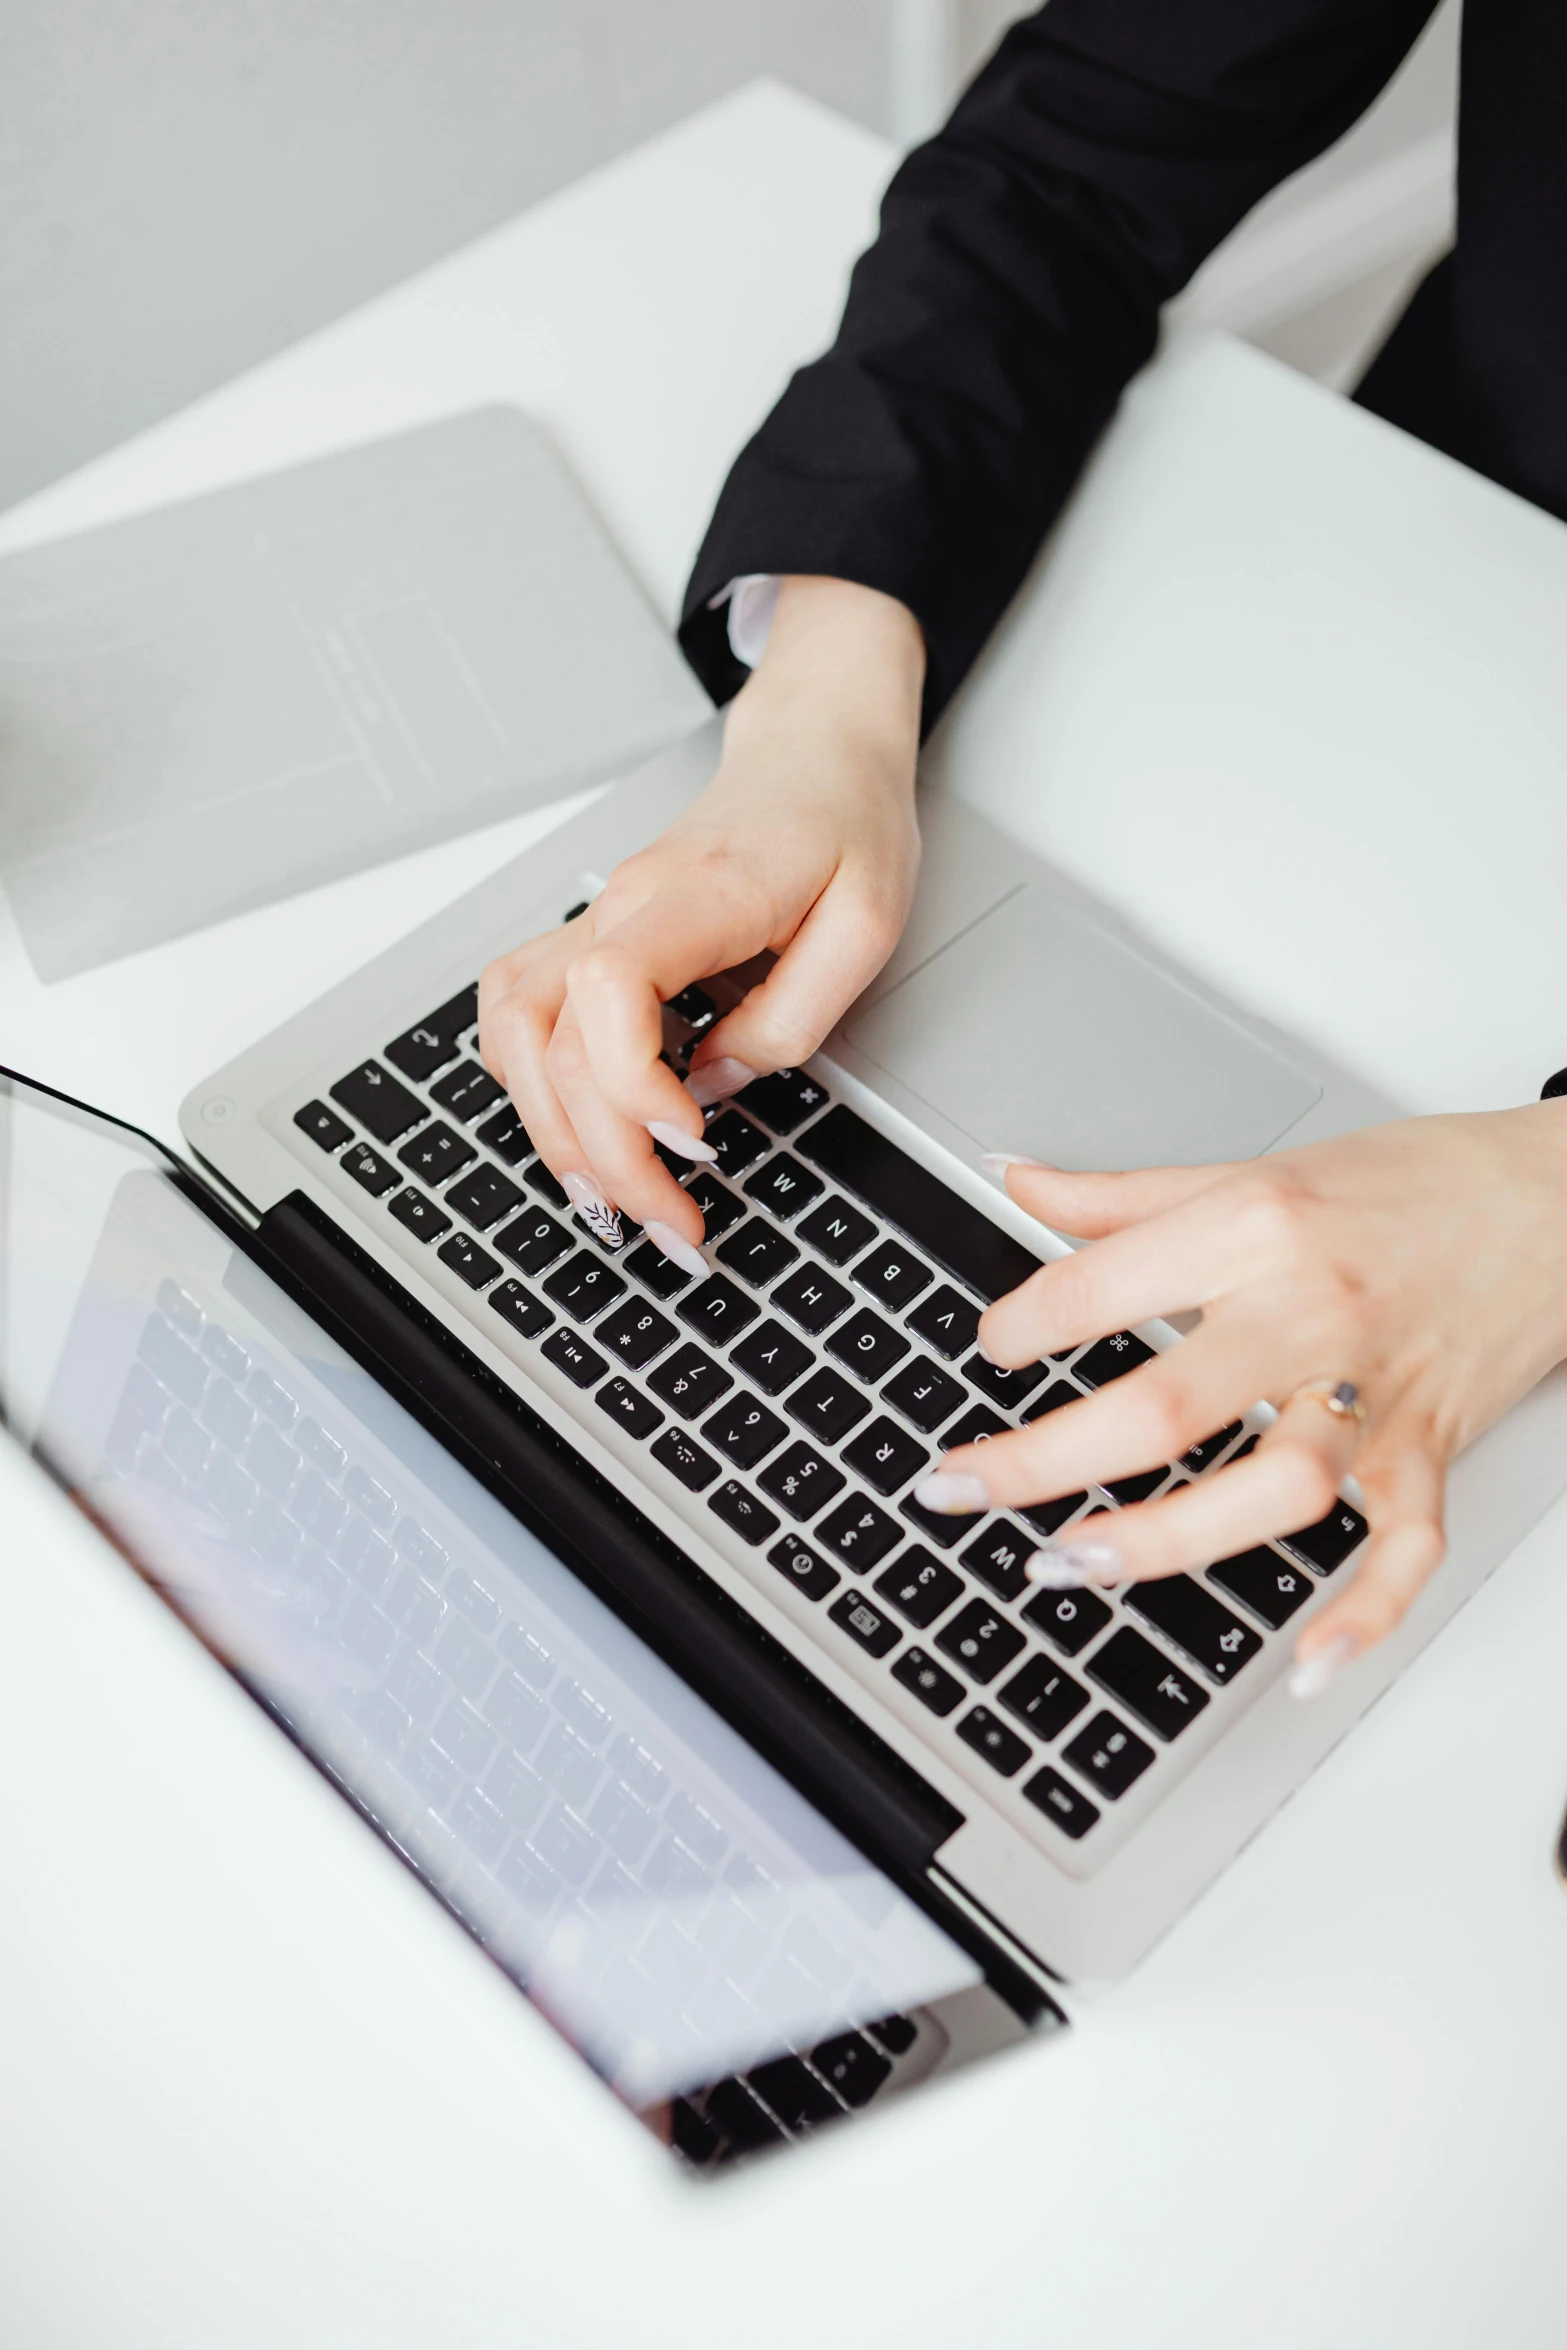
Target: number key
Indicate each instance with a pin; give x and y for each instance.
(636, 1333)
(980, 1641)
(744, 1430)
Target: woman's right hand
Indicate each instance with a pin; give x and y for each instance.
(805, 843)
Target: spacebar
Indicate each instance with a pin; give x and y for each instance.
(961, 1240)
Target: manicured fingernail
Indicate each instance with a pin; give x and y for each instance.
(679, 1252)
(689, 1146)
(997, 1162)
(1313, 1673)
(716, 1080)
(1068, 1565)
(951, 1494)
(601, 1219)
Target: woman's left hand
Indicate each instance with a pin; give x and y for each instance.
(1423, 1262)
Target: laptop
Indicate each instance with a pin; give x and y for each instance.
(599, 1588)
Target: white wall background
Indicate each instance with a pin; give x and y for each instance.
(188, 185)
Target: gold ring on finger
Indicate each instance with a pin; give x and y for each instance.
(1341, 1397)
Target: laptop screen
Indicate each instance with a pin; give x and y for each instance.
(716, 1950)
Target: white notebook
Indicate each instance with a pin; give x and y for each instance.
(217, 704)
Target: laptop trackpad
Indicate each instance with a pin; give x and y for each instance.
(1037, 1030)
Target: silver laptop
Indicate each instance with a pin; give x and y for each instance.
(1046, 1779)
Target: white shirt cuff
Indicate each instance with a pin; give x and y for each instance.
(751, 599)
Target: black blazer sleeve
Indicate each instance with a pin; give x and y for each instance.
(1014, 288)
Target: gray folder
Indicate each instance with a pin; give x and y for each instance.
(217, 704)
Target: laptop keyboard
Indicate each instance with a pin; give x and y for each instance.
(801, 1389)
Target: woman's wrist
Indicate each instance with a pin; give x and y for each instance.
(842, 660)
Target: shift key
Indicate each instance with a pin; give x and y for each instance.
(1157, 1691)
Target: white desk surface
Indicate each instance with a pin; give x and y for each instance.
(256, 2090)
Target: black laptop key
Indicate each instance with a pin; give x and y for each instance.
(1142, 1487)
(981, 1641)
(1002, 1748)
(803, 1568)
(919, 1586)
(421, 1215)
(924, 1393)
(801, 1481)
(378, 1103)
(977, 1425)
(467, 1091)
(533, 1242)
(784, 1100)
(828, 1405)
(471, 1263)
(584, 1285)
(583, 1365)
(685, 1459)
(538, 1178)
(1044, 1695)
(1059, 1392)
(751, 1519)
(690, 1382)
(1048, 1517)
(1111, 1359)
(773, 1357)
(520, 1308)
(855, 2069)
(947, 1321)
(657, 1272)
(859, 1532)
(871, 1626)
(1267, 1586)
(323, 1126)
(995, 1557)
(484, 1197)
(744, 1430)
(1159, 1693)
(742, 2121)
(1068, 1618)
(1206, 1451)
(813, 1300)
(1108, 1755)
(506, 1135)
(420, 1051)
(1008, 1388)
(635, 1332)
(931, 1683)
(369, 1168)
(896, 2033)
(892, 1274)
(837, 1232)
(1328, 1543)
(738, 1143)
(783, 1186)
(630, 1408)
(870, 1347)
(885, 1456)
(695, 1007)
(717, 1309)
(430, 1044)
(1071, 1811)
(720, 1209)
(791, 2090)
(942, 1530)
(1196, 1622)
(436, 1154)
(758, 1252)
(961, 1240)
